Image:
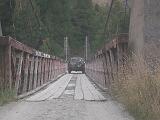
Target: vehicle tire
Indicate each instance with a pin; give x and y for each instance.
(69, 71)
(83, 71)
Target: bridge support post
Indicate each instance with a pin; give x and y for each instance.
(19, 57)
(39, 72)
(42, 71)
(35, 72)
(111, 57)
(45, 71)
(108, 78)
(52, 69)
(49, 71)
(26, 67)
(31, 66)
(7, 65)
(105, 69)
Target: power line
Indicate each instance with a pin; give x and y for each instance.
(108, 16)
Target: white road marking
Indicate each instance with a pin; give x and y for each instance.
(53, 91)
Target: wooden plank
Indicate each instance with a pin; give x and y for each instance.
(87, 94)
(62, 87)
(97, 95)
(78, 90)
(53, 91)
(90, 92)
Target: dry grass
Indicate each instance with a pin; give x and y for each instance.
(138, 87)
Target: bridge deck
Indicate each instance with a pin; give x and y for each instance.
(76, 86)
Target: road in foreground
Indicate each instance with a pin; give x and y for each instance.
(72, 97)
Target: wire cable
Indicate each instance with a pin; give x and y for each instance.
(108, 16)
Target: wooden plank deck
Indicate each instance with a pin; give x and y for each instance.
(82, 89)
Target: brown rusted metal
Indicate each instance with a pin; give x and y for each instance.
(103, 67)
(23, 68)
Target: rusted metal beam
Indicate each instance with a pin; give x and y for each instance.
(24, 68)
(35, 72)
(103, 67)
(26, 71)
(19, 58)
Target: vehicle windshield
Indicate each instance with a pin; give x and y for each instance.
(76, 60)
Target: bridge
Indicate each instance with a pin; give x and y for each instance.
(37, 77)
(25, 69)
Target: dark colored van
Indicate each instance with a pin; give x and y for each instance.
(76, 64)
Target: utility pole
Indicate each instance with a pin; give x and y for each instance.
(66, 47)
(86, 47)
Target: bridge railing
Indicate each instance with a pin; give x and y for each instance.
(104, 65)
(23, 68)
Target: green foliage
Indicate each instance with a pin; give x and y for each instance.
(44, 24)
(6, 12)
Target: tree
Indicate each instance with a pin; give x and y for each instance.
(6, 18)
(44, 24)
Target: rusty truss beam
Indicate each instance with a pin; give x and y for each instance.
(24, 69)
(104, 65)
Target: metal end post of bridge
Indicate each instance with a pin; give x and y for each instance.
(23, 68)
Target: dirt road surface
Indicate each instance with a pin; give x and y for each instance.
(72, 97)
